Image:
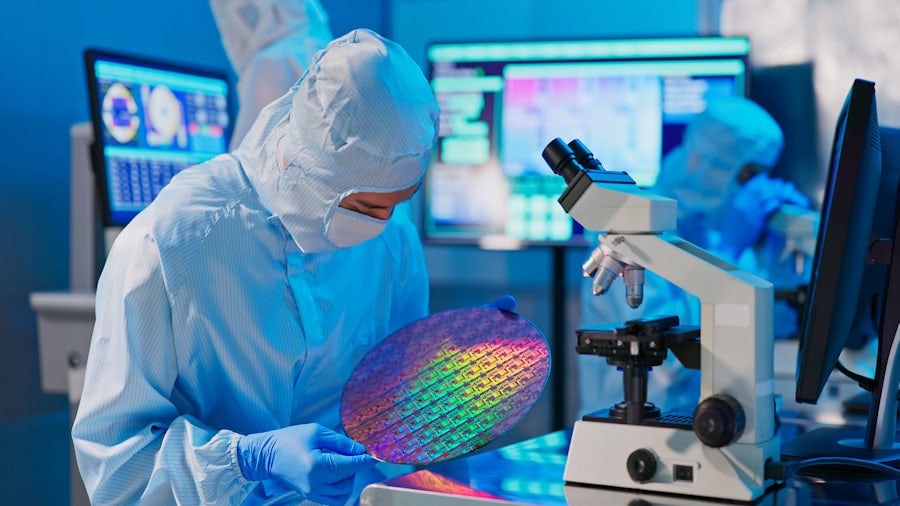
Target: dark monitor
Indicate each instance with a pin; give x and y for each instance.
(844, 247)
(151, 119)
(870, 309)
(628, 99)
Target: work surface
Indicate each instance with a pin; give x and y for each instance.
(531, 472)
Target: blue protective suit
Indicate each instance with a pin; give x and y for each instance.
(213, 322)
(702, 174)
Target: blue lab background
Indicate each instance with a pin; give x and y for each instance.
(43, 93)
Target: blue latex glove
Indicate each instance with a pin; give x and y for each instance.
(311, 459)
(745, 216)
(505, 302)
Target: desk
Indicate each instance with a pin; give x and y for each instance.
(530, 472)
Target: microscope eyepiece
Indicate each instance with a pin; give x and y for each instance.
(584, 156)
(561, 159)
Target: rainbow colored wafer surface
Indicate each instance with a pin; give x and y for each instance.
(445, 385)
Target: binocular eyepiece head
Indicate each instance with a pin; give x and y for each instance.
(567, 160)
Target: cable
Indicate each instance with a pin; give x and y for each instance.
(864, 382)
(783, 471)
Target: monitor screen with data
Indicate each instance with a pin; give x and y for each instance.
(151, 120)
(502, 102)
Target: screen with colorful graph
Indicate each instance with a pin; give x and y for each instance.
(502, 102)
(151, 120)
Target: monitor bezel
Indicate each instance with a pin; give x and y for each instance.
(841, 248)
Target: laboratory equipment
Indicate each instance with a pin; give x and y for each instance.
(530, 472)
(445, 385)
(859, 179)
(487, 184)
(151, 119)
(870, 305)
(799, 226)
(720, 448)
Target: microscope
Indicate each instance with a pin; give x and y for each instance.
(720, 448)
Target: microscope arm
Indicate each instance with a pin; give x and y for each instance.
(736, 321)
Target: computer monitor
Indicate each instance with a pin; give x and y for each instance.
(151, 119)
(870, 304)
(844, 246)
(500, 101)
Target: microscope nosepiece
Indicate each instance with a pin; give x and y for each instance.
(634, 285)
(590, 266)
(602, 281)
(634, 295)
(607, 272)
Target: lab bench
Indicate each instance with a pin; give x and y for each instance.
(531, 473)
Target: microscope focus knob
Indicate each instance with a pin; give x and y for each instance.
(719, 420)
(641, 465)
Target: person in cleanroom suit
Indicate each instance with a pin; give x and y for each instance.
(231, 312)
(719, 175)
(269, 44)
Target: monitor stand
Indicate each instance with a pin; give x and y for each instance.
(858, 405)
(877, 442)
(844, 442)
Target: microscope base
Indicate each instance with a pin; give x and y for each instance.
(681, 418)
(599, 451)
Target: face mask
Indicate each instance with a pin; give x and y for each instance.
(348, 228)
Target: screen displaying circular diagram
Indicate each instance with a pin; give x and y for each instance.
(120, 113)
(445, 385)
(165, 118)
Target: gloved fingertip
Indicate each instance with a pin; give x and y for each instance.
(339, 443)
(505, 303)
(355, 447)
(363, 461)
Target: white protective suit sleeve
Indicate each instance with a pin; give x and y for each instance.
(211, 321)
(269, 43)
(179, 459)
